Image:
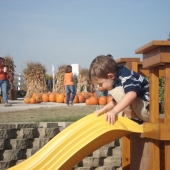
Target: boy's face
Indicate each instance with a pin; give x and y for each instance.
(1, 62)
(105, 83)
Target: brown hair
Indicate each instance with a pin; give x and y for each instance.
(2, 59)
(101, 66)
(68, 69)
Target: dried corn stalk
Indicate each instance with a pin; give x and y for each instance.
(59, 86)
(34, 75)
(83, 81)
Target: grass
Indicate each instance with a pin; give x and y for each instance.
(53, 114)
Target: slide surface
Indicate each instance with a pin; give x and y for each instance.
(77, 141)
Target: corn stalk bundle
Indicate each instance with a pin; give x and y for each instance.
(11, 69)
(83, 81)
(34, 76)
(59, 86)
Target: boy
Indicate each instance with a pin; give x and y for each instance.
(129, 89)
(3, 81)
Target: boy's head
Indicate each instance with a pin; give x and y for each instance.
(68, 69)
(2, 60)
(103, 70)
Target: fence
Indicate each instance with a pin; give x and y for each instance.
(19, 82)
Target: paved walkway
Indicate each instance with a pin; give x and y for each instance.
(18, 105)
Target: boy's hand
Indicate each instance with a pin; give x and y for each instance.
(111, 117)
(100, 112)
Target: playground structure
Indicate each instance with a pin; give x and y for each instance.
(143, 148)
(151, 152)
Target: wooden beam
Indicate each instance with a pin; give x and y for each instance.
(154, 95)
(152, 45)
(126, 153)
(124, 60)
(135, 66)
(158, 131)
(167, 113)
(167, 155)
(154, 159)
(167, 94)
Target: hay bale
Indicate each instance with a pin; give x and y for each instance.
(34, 75)
(83, 81)
(59, 86)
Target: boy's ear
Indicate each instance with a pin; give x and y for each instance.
(111, 76)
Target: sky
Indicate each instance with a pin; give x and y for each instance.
(76, 31)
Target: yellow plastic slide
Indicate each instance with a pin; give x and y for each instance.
(77, 141)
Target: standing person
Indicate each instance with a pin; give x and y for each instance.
(69, 85)
(4, 81)
(129, 89)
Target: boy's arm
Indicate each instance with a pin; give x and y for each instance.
(127, 100)
(106, 108)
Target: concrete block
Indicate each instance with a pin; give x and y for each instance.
(61, 128)
(120, 168)
(111, 144)
(117, 151)
(47, 132)
(48, 124)
(2, 141)
(7, 134)
(6, 164)
(26, 125)
(39, 142)
(105, 168)
(26, 133)
(17, 144)
(64, 124)
(19, 161)
(92, 162)
(83, 168)
(112, 161)
(30, 152)
(102, 152)
(7, 126)
(10, 155)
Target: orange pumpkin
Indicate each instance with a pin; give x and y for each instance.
(52, 97)
(27, 100)
(38, 98)
(32, 100)
(94, 100)
(101, 88)
(88, 101)
(76, 99)
(60, 98)
(45, 97)
(65, 99)
(82, 99)
(109, 98)
(85, 94)
(102, 100)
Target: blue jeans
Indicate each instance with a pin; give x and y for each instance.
(101, 93)
(3, 85)
(70, 89)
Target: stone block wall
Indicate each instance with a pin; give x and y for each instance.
(19, 141)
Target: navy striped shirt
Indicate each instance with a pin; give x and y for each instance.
(132, 81)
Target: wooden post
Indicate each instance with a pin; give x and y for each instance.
(155, 54)
(167, 112)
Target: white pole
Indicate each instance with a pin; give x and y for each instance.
(19, 79)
